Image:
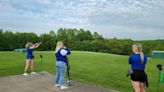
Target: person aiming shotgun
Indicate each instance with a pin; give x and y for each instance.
(30, 57)
(61, 53)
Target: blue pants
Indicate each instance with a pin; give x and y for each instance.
(60, 72)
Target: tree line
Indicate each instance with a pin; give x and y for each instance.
(76, 39)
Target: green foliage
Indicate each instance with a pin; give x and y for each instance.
(81, 39)
(46, 40)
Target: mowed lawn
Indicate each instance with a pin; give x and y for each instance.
(102, 69)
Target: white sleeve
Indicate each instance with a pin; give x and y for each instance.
(63, 52)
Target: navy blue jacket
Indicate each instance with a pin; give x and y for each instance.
(29, 52)
(63, 58)
(135, 62)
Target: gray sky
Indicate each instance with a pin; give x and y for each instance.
(135, 19)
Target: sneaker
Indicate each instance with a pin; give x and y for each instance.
(25, 74)
(57, 85)
(64, 87)
(33, 72)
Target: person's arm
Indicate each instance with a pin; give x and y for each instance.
(36, 45)
(130, 60)
(65, 52)
(68, 51)
(32, 47)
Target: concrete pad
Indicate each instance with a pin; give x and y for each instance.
(42, 82)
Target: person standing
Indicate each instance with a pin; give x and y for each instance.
(30, 57)
(138, 61)
(61, 53)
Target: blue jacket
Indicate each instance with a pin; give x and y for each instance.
(29, 52)
(135, 62)
(60, 57)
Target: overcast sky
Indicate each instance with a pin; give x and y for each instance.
(135, 19)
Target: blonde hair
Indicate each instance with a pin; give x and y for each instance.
(29, 44)
(59, 45)
(138, 46)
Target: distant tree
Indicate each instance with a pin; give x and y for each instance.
(47, 42)
(2, 44)
(9, 42)
(97, 36)
(84, 35)
(22, 38)
(52, 33)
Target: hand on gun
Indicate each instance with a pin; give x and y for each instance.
(37, 44)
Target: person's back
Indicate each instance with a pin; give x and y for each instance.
(29, 52)
(136, 63)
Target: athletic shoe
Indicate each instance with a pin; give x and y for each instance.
(25, 74)
(57, 85)
(33, 72)
(64, 87)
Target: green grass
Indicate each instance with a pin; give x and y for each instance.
(107, 70)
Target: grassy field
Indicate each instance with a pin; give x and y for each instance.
(107, 70)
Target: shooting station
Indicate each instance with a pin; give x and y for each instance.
(42, 83)
(20, 50)
(158, 54)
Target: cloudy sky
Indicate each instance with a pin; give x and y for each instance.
(135, 19)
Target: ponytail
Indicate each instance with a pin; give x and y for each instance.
(142, 57)
(139, 47)
(141, 53)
